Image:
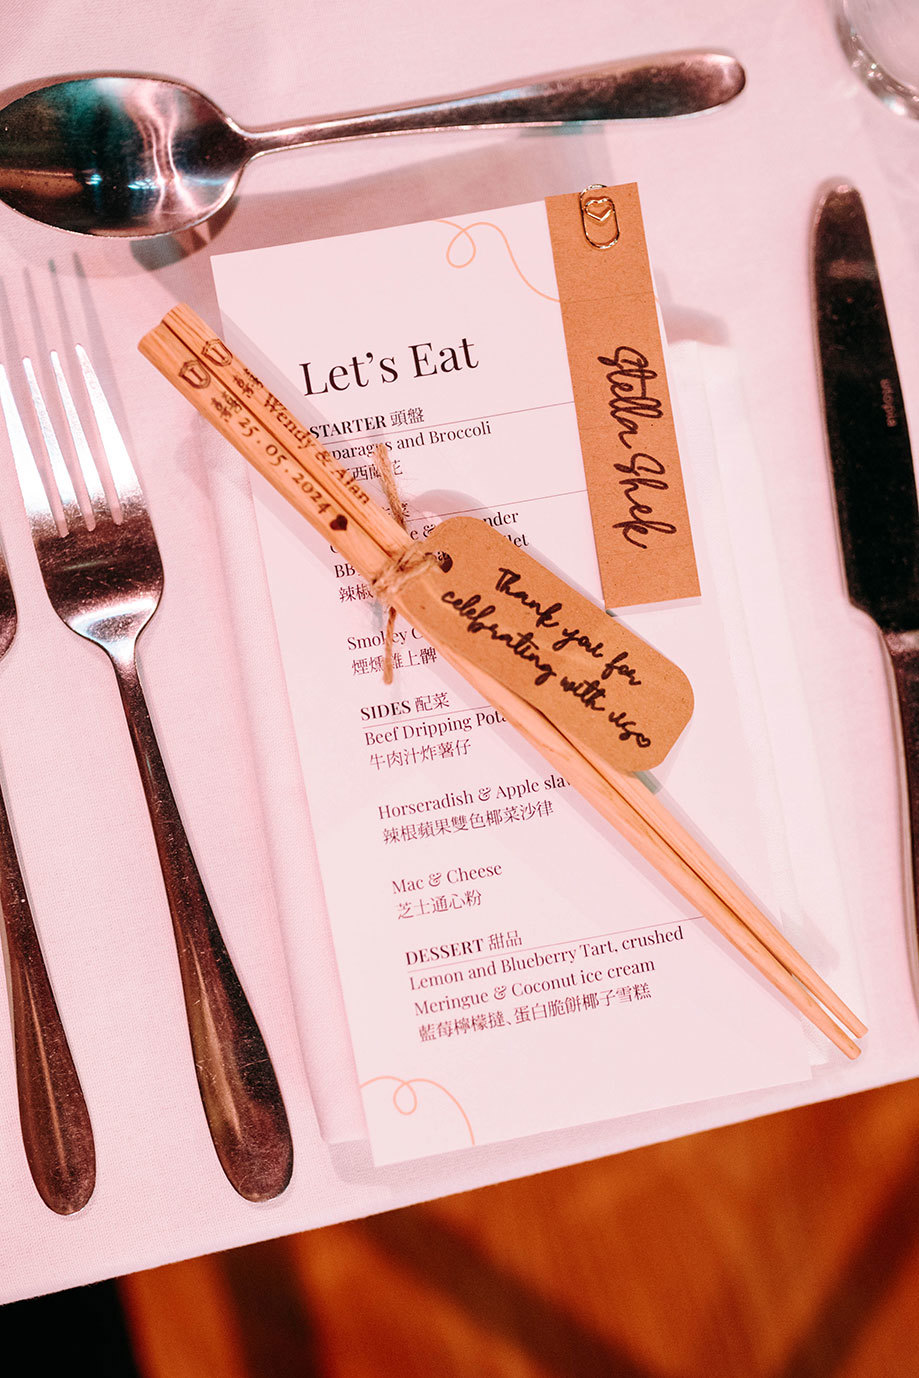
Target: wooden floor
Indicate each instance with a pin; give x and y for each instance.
(786, 1248)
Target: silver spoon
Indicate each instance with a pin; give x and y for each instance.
(138, 156)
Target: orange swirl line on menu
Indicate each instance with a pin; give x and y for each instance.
(466, 230)
(410, 1084)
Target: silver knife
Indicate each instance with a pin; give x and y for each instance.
(871, 457)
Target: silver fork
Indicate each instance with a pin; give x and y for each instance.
(104, 578)
(56, 1130)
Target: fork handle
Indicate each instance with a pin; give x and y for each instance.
(242, 1100)
(56, 1130)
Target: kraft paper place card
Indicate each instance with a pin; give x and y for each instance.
(508, 964)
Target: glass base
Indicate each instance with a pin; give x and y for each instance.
(902, 99)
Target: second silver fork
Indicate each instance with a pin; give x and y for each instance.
(56, 1130)
(104, 578)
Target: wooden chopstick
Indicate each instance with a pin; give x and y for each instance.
(644, 803)
(370, 539)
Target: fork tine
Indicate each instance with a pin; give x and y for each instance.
(73, 514)
(124, 477)
(95, 492)
(30, 482)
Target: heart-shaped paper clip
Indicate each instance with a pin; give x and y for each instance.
(599, 218)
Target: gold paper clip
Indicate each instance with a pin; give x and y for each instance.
(599, 218)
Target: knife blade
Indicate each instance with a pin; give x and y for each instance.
(865, 418)
(871, 458)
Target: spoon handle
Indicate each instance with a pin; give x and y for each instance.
(678, 83)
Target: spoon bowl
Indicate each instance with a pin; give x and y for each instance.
(125, 156)
(136, 156)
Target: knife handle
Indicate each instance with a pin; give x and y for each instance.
(903, 649)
